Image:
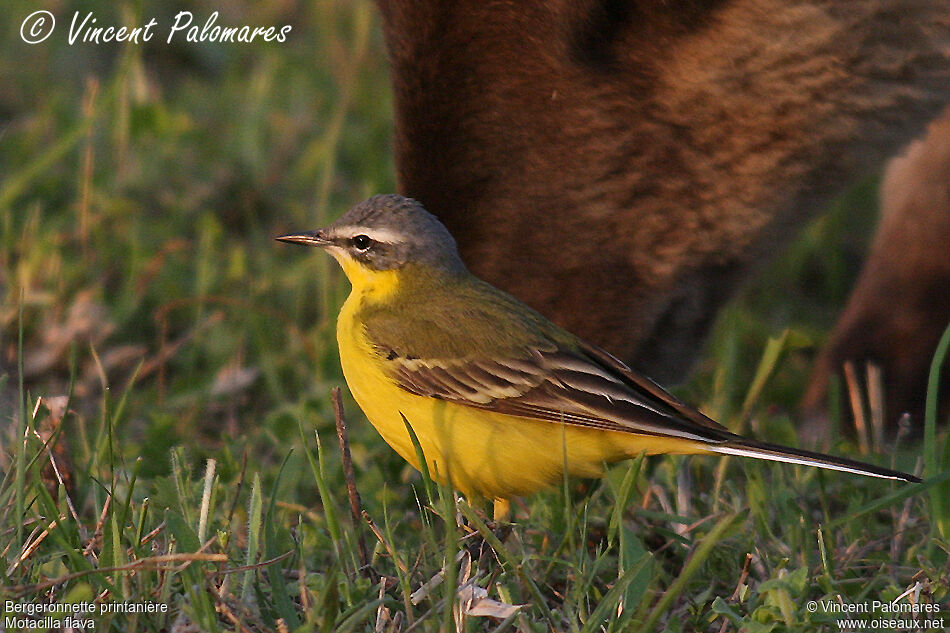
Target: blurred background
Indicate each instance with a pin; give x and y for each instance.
(141, 187)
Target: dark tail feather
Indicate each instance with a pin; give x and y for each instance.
(760, 450)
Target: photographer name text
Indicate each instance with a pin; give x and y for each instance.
(86, 28)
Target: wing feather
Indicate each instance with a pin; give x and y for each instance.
(585, 386)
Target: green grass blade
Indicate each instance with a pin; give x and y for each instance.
(934, 459)
(774, 350)
(427, 482)
(18, 183)
(278, 585)
(254, 519)
(20, 439)
(326, 499)
(624, 496)
(720, 531)
(607, 607)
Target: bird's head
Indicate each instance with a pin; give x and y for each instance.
(380, 237)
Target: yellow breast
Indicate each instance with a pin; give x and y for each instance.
(493, 455)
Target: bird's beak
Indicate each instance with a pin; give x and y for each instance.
(308, 238)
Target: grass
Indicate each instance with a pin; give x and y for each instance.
(176, 366)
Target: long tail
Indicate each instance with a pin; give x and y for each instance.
(744, 447)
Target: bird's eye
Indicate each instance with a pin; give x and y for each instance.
(361, 242)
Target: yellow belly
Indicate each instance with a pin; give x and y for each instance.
(480, 452)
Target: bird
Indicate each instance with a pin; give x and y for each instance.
(501, 400)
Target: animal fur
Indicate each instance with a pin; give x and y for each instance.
(623, 166)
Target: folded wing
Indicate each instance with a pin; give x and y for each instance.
(586, 386)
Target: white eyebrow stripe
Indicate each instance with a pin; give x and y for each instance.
(386, 236)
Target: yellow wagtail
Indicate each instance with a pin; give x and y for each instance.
(501, 399)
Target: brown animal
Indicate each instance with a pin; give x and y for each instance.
(901, 302)
(622, 166)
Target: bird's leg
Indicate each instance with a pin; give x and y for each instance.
(502, 510)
